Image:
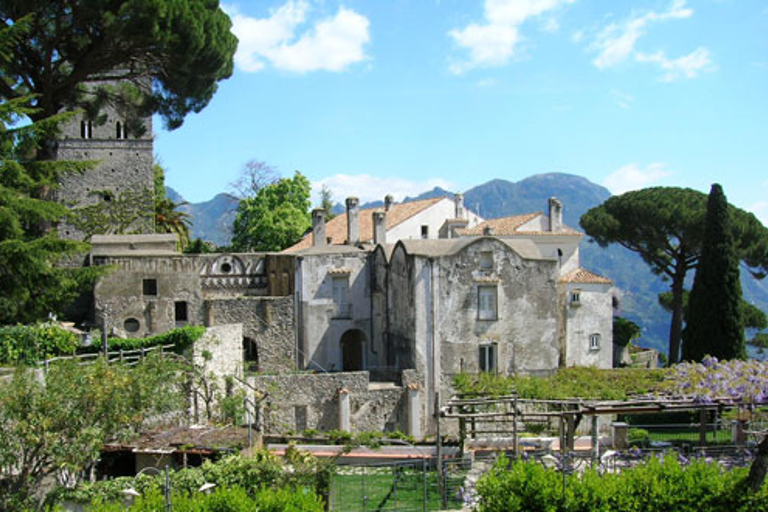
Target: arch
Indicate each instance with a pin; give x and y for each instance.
(352, 350)
(250, 355)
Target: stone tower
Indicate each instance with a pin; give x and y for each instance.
(117, 194)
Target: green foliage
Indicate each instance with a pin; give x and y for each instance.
(715, 324)
(617, 384)
(113, 213)
(159, 39)
(61, 425)
(760, 340)
(181, 338)
(656, 485)
(28, 344)
(198, 246)
(624, 331)
(32, 286)
(263, 479)
(665, 226)
(232, 408)
(275, 218)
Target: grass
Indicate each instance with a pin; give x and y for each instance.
(678, 436)
(374, 490)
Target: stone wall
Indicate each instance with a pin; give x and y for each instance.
(267, 321)
(219, 351)
(298, 401)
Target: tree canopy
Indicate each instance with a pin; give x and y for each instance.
(665, 225)
(715, 324)
(168, 54)
(275, 218)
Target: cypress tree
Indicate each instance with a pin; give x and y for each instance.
(714, 325)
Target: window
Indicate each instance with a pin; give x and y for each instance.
(342, 307)
(149, 286)
(131, 325)
(486, 260)
(424, 231)
(575, 298)
(594, 342)
(86, 129)
(486, 303)
(180, 313)
(250, 355)
(121, 132)
(487, 362)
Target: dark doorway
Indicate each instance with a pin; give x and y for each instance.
(250, 355)
(352, 343)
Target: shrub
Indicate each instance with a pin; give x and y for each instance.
(28, 344)
(181, 338)
(657, 485)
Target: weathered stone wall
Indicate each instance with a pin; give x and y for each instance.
(123, 166)
(402, 311)
(192, 279)
(299, 401)
(218, 350)
(322, 324)
(592, 316)
(268, 321)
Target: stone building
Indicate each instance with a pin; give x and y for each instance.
(117, 193)
(376, 330)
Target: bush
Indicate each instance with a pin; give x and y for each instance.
(28, 344)
(657, 485)
(181, 338)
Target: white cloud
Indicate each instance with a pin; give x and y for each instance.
(493, 42)
(284, 41)
(687, 66)
(616, 42)
(374, 188)
(633, 177)
(621, 99)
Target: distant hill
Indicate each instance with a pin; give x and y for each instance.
(211, 220)
(638, 286)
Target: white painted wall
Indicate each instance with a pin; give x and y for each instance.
(434, 217)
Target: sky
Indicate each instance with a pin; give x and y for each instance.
(370, 97)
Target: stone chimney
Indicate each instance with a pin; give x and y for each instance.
(388, 200)
(458, 201)
(318, 227)
(555, 214)
(353, 221)
(379, 227)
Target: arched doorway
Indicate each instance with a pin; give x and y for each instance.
(352, 344)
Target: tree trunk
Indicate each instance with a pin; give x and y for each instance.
(676, 327)
(759, 466)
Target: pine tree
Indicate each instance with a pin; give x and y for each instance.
(715, 326)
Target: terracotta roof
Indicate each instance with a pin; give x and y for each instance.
(336, 228)
(581, 276)
(501, 226)
(510, 226)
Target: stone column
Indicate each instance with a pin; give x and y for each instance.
(620, 435)
(414, 411)
(344, 424)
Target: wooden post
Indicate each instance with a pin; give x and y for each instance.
(703, 427)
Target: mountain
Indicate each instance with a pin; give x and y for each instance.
(211, 220)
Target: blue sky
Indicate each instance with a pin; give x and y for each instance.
(396, 96)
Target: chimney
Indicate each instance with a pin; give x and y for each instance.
(488, 231)
(353, 221)
(458, 201)
(379, 227)
(555, 214)
(318, 227)
(388, 200)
